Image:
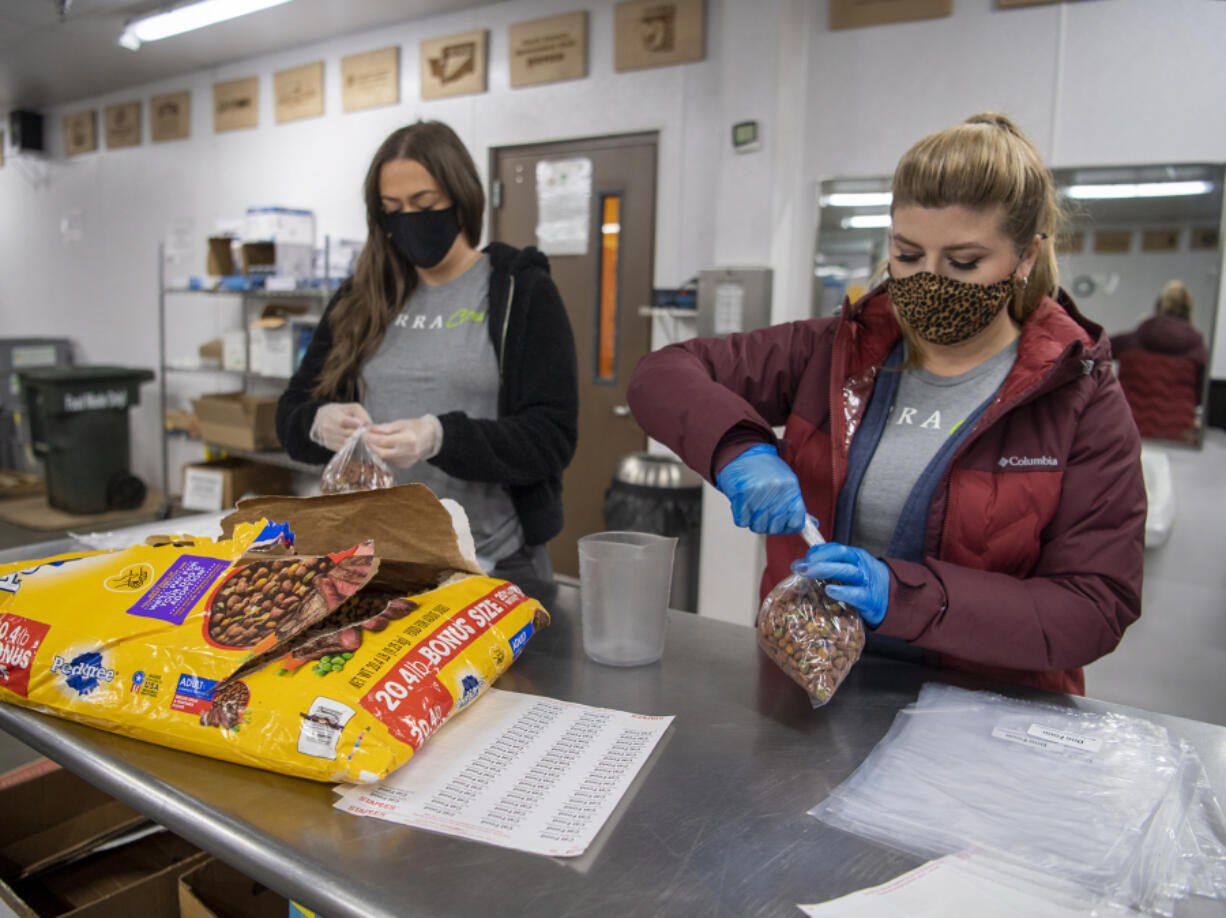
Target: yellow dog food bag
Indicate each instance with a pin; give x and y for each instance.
(334, 665)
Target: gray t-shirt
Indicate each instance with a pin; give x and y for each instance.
(437, 357)
(927, 409)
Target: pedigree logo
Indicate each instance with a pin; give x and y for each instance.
(1026, 462)
(84, 672)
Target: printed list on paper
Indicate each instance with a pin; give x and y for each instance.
(519, 771)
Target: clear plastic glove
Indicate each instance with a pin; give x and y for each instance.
(408, 441)
(764, 492)
(335, 423)
(853, 576)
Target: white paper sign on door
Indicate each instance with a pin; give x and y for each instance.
(563, 205)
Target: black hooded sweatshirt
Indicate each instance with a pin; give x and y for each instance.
(532, 440)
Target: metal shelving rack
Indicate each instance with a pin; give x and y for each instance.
(279, 458)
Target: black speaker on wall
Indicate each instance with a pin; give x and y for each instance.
(26, 131)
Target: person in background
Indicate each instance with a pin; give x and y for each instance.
(1168, 331)
(958, 432)
(460, 363)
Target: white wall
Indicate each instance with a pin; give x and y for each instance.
(1092, 82)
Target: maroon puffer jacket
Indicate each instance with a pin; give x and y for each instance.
(1035, 538)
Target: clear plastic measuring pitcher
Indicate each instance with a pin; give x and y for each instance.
(624, 580)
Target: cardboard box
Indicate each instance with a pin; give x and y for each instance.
(216, 890)
(274, 336)
(53, 816)
(50, 862)
(278, 259)
(221, 256)
(139, 878)
(238, 420)
(219, 484)
(285, 225)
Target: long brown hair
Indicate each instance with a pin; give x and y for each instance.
(983, 163)
(383, 278)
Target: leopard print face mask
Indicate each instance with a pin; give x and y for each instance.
(943, 310)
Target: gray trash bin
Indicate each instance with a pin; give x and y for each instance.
(660, 495)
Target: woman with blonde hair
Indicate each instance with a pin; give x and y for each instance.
(1162, 367)
(957, 432)
(457, 363)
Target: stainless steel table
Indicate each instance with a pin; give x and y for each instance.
(715, 825)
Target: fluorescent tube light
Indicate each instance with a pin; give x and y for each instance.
(865, 221)
(858, 199)
(1142, 190)
(187, 18)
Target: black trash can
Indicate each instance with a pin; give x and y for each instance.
(79, 429)
(660, 495)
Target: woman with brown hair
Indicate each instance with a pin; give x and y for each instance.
(958, 431)
(458, 361)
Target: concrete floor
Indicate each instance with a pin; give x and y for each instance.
(1173, 660)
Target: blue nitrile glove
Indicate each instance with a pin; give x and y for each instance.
(856, 578)
(764, 492)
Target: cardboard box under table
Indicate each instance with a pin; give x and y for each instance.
(238, 420)
(215, 890)
(69, 850)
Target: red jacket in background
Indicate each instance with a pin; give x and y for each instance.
(1035, 539)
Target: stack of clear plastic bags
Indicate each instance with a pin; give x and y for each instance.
(355, 467)
(1106, 804)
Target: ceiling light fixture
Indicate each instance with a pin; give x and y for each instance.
(1141, 190)
(182, 19)
(865, 221)
(858, 199)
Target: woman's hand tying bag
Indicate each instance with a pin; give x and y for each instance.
(853, 576)
(335, 422)
(408, 441)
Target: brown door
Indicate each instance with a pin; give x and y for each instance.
(603, 290)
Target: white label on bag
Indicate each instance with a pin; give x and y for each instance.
(1065, 738)
(1043, 743)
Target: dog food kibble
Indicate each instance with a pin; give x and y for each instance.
(811, 637)
(229, 703)
(263, 597)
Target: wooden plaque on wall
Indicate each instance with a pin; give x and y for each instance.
(852, 14)
(370, 79)
(236, 104)
(298, 92)
(80, 133)
(651, 33)
(1160, 240)
(453, 65)
(1203, 237)
(122, 125)
(1070, 243)
(170, 116)
(1113, 242)
(549, 50)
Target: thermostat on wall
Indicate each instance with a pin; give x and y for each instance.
(745, 137)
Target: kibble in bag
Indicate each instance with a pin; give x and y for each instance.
(812, 638)
(355, 467)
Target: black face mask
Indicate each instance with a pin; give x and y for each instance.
(424, 237)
